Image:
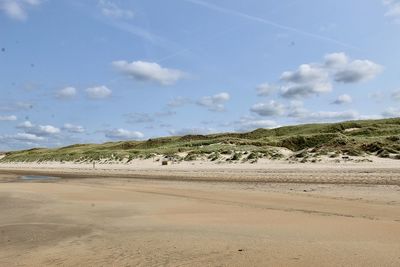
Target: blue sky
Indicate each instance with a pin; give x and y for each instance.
(105, 70)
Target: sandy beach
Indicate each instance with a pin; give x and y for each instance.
(236, 215)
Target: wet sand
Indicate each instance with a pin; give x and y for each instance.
(82, 220)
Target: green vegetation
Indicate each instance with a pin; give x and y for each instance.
(352, 138)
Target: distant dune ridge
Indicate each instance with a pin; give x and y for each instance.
(351, 140)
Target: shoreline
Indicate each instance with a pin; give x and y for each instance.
(375, 173)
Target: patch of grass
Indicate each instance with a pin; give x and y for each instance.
(375, 137)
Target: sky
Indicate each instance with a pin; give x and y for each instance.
(94, 71)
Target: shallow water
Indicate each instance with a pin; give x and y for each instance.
(38, 177)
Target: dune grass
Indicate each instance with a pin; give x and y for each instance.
(353, 138)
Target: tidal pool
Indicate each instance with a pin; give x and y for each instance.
(38, 177)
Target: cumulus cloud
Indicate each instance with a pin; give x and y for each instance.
(307, 80)
(357, 71)
(67, 92)
(305, 90)
(98, 92)
(45, 130)
(111, 9)
(149, 71)
(26, 137)
(316, 78)
(8, 118)
(396, 95)
(122, 134)
(272, 108)
(25, 125)
(298, 111)
(214, 103)
(335, 60)
(265, 89)
(17, 9)
(38, 130)
(71, 128)
(343, 99)
(306, 73)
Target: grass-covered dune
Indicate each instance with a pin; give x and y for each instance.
(352, 138)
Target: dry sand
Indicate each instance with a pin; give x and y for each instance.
(201, 215)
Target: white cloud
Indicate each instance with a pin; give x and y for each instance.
(16, 9)
(98, 92)
(307, 80)
(8, 118)
(15, 106)
(271, 108)
(305, 90)
(333, 115)
(396, 95)
(393, 9)
(316, 78)
(303, 114)
(248, 123)
(358, 71)
(23, 105)
(25, 125)
(111, 9)
(343, 99)
(27, 137)
(265, 89)
(179, 102)
(391, 112)
(215, 102)
(39, 130)
(335, 60)
(306, 73)
(148, 71)
(20, 140)
(45, 130)
(122, 134)
(138, 117)
(66, 92)
(192, 131)
(298, 111)
(71, 128)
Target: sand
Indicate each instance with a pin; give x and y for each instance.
(201, 215)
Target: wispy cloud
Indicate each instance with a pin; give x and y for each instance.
(8, 118)
(268, 22)
(393, 9)
(16, 9)
(214, 103)
(111, 9)
(123, 134)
